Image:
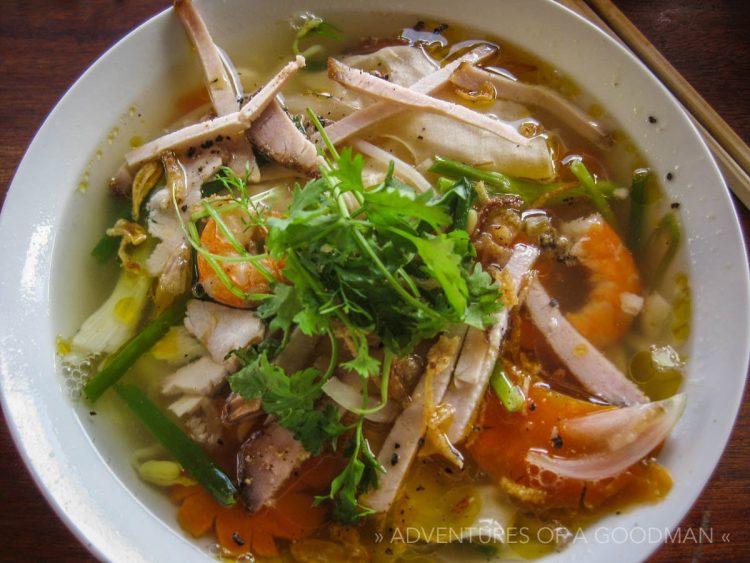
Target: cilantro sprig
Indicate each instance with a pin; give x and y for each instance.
(291, 399)
(393, 265)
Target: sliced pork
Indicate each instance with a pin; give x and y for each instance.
(595, 372)
(222, 329)
(383, 90)
(264, 463)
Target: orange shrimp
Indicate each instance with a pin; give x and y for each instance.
(244, 275)
(614, 279)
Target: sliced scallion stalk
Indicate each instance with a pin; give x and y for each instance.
(188, 454)
(509, 393)
(121, 361)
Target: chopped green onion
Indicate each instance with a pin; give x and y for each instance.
(313, 25)
(120, 362)
(497, 183)
(106, 248)
(638, 205)
(510, 394)
(594, 191)
(192, 458)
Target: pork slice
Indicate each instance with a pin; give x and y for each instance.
(275, 135)
(202, 377)
(221, 88)
(360, 120)
(222, 329)
(481, 348)
(387, 91)
(595, 372)
(264, 463)
(226, 125)
(403, 441)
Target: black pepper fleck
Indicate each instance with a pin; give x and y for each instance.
(420, 488)
(394, 458)
(207, 144)
(92, 413)
(669, 176)
(419, 26)
(675, 205)
(448, 470)
(440, 28)
(191, 152)
(557, 442)
(219, 138)
(420, 443)
(237, 539)
(532, 406)
(420, 137)
(397, 446)
(553, 302)
(652, 119)
(220, 442)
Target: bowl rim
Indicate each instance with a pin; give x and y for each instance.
(20, 432)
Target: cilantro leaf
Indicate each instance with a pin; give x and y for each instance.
(348, 171)
(443, 264)
(485, 299)
(291, 399)
(281, 308)
(457, 201)
(359, 476)
(389, 205)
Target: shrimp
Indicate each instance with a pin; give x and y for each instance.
(243, 277)
(615, 284)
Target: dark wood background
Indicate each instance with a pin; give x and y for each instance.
(46, 44)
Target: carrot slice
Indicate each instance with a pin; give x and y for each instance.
(234, 530)
(264, 545)
(197, 513)
(501, 446)
(292, 517)
(178, 493)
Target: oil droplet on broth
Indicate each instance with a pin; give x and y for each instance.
(126, 311)
(113, 135)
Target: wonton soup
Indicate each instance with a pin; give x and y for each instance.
(396, 297)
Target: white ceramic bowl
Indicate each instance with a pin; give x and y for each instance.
(45, 232)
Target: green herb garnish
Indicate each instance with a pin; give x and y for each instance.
(308, 25)
(362, 260)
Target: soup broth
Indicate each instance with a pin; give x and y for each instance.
(538, 452)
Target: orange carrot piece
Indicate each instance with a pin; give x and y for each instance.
(178, 493)
(197, 513)
(234, 529)
(297, 511)
(264, 545)
(501, 446)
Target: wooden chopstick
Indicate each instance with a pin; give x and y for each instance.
(731, 152)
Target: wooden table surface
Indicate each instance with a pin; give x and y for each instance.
(46, 44)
